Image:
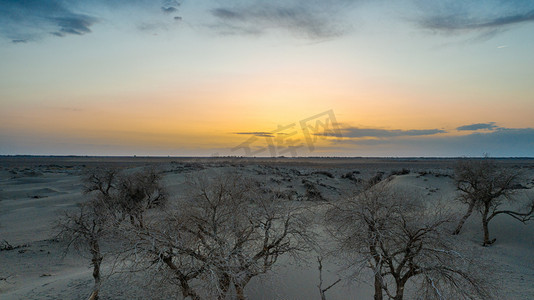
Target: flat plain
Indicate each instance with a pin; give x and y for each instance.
(35, 190)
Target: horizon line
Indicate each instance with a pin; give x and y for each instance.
(259, 157)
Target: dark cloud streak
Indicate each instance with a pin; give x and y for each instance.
(478, 126)
(452, 23)
(355, 132)
(312, 19)
(76, 24)
(30, 20)
(485, 16)
(227, 14)
(257, 133)
(34, 19)
(504, 142)
(169, 10)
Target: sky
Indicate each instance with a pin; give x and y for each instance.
(267, 78)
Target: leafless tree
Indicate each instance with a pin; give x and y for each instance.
(139, 192)
(126, 195)
(401, 241)
(323, 290)
(112, 196)
(222, 234)
(103, 180)
(84, 229)
(484, 185)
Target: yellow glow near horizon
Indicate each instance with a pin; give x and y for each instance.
(195, 91)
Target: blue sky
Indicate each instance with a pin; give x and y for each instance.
(404, 78)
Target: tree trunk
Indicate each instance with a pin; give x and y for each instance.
(187, 291)
(140, 219)
(240, 288)
(378, 287)
(93, 296)
(485, 222)
(96, 261)
(465, 217)
(400, 292)
(240, 292)
(224, 286)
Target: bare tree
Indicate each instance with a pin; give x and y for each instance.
(139, 192)
(102, 180)
(126, 195)
(323, 290)
(223, 234)
(112, 197)
(484, 185)
(84, 229)
(400, 241)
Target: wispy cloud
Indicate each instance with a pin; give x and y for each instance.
(356, 132)
(509, 142)
(170, 6)
(74, 24)
(28, 20)
(308, 19)
(452, 23)
(487, 17)
(478, 126)
(169, 10)
(257, 133)
(24, 21)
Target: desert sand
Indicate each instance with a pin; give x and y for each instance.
(34, 190)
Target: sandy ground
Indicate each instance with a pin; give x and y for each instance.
(33, 191)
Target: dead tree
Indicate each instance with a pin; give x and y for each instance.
(102, 180)
(484, 185)
(137, 193)
(112, 197)
(126, 195)
(84, 229)
(101, 186)
(323, 290)
(401, 242)
(223, 233)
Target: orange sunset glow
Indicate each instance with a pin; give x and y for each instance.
(398, 82)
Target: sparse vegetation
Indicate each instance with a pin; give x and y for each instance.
(312, 192)
(404, 171)
(218, 231)
(351, 176)
(325, 173)
(222, 234)
(6, 246)
(375, 179)
(400, 241)
(114, 196)
(84, 229)
(485, 186)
